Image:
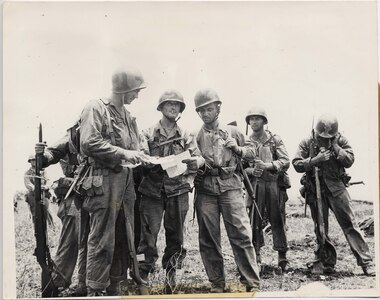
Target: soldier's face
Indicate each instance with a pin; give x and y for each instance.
(257, 123)
(209, 113)
(171, 109)
(130, 96)
(33, 163)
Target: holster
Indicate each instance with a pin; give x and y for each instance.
(63, 186)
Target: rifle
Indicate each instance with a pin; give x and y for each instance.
(320, 224)
(134, 273)
(247, 184)
(40, 231)
(356, 182)
(251, 190)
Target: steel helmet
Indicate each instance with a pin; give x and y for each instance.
(256, 111)
(327, 126)
(125, 81)
(205, 97)
(31, 157)
(171, 95)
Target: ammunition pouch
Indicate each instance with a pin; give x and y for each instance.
(226, 172)
(345, 179)
(91, 183)
(306, 190)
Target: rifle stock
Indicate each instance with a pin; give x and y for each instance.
(135, 273)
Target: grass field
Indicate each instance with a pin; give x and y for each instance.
(192, 277)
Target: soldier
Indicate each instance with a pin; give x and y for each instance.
(329, 151)
(219, 192)
(272, 162)
(30, 186)
(165, 197)
(109, 139)
(73, 238)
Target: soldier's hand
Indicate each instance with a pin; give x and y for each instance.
(334, 144)
(249, 171)
(323, 155)
(260, 164)
(40, 148)
(133, 156)
(257, 172)
(232, 144)
(192, 164)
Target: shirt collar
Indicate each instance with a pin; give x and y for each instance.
(161, 130)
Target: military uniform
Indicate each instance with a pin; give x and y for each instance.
(219, 192)
(166, 196)
(270, 149)
(107, 260)
(73, 238)
(29, 181)
(334, 196)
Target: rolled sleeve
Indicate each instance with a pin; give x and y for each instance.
(58, 151)
(247, 148)
(191, 145)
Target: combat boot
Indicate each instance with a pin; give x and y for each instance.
(369, 270)
(218, 288)
(144, 288)
(114, 289)
(93, 292)
(282, 261)
(170, 283)
(81, 290)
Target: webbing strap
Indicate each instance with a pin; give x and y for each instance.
(109, 129)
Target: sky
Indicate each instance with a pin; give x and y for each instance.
(296, 60)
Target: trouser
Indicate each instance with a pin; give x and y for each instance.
(107, 253)
(30, 199)
(84, 230)
(174, 210)
(72, 239)
(341, 207)
(268, 199)
(231, 206)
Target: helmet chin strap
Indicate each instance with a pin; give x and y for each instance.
(178, 117)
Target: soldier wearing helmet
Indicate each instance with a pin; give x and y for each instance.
(329, 151)
(267, 173)
(72, 245)
(109, 140)
(219, 192)
(165, 197)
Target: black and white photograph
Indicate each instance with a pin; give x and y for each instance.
(190, 149)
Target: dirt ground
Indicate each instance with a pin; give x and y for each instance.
(192, 277)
